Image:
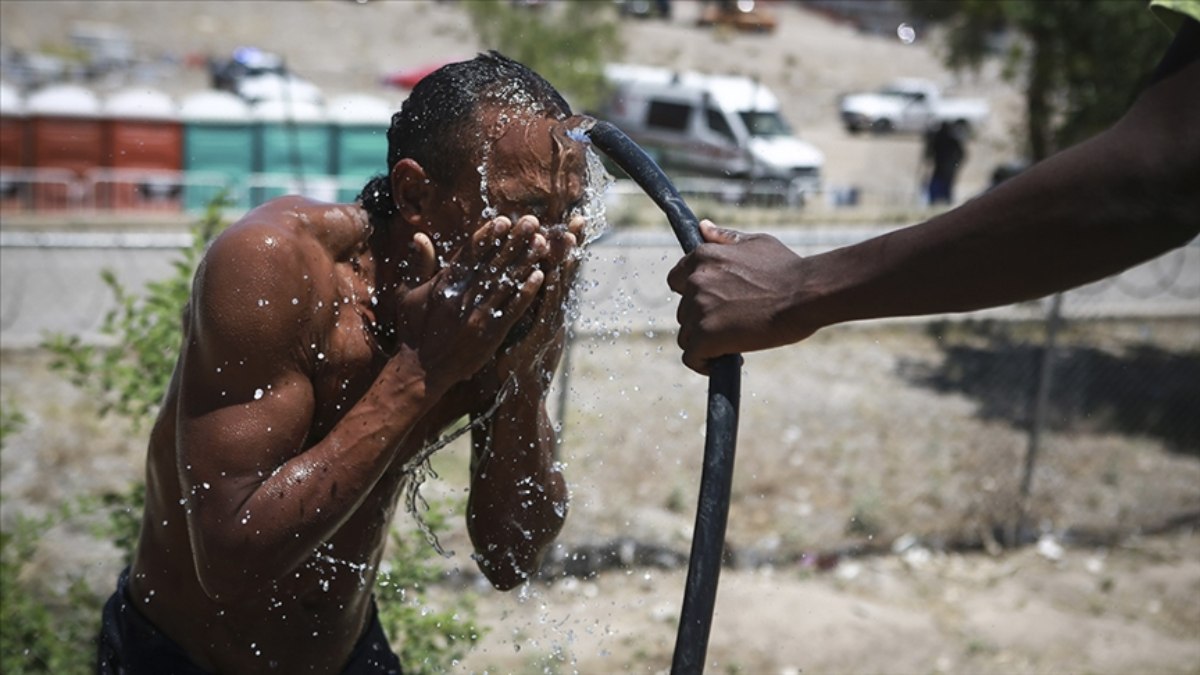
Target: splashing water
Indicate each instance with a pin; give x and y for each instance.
(418, 469)
(593, 209)
(906, 33)
(595, 206)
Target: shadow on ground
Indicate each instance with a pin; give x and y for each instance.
(1141, 390)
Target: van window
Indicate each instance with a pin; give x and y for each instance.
(667, 115)
(718, 123)
(764, 123)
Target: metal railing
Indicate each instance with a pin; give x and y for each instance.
(108, 189)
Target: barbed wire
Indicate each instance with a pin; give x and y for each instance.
(49, 282)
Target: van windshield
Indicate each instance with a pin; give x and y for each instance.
(764, 123)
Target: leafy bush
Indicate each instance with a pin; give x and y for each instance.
(131, 375)
(41, 629)
(431, 640)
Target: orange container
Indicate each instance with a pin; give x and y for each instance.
(65, 133)
(143, 157)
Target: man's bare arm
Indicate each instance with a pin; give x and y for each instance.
(1097, 208)
(518, 501)
(519, 497)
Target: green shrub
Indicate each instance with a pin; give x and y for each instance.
(41, 629)
(431, 640)
(131, 375)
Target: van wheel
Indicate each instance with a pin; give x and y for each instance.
(883, 126)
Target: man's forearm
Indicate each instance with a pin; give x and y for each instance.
(302, 502)
(518, 501)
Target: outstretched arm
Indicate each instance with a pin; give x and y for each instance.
(1114, 201)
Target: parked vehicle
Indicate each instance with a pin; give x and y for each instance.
(407, 78)
(712, 125)
(257, 76)
(742, 15)
(909, 105)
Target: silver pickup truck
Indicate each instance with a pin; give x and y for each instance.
(909, 105)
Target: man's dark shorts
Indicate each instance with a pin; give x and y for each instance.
(131, 645)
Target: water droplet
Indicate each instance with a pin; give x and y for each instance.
(906, 33)
(258, 393)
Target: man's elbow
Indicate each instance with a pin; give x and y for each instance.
(509, 571)
(506, 581)
(1161, 167)
(1173, 203)
(509, 565)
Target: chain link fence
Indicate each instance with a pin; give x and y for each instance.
(1074, 416)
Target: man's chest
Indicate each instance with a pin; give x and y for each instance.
(345, 359)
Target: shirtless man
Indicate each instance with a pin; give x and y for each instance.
(325, 346)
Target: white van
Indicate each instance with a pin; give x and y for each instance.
(712, 125)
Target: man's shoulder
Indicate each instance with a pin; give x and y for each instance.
(290, 226)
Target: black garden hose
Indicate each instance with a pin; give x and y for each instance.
(720, 438)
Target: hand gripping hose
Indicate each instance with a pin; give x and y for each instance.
(720, 438)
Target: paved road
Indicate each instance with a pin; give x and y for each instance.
(49, 281)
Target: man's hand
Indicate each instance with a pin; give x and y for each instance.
(738, 291)
(457, 319)
(536, 341)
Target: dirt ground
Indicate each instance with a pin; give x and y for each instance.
(840, 447)
(1128, 609)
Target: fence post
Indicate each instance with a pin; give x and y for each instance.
(564, 386)
(1037, 421)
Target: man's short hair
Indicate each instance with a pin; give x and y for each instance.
(438, 124)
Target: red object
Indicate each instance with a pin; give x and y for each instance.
(409, 77)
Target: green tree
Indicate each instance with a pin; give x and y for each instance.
(1079, 62)
(567, 43)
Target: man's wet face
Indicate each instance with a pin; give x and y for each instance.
(525, 166)
(535, 168)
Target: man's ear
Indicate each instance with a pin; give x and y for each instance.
(411, 189)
